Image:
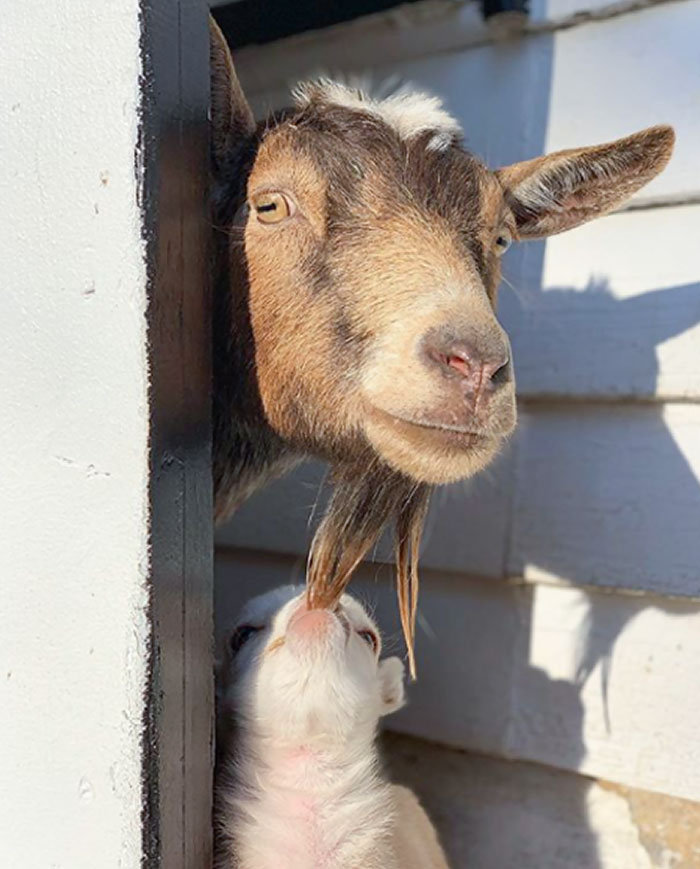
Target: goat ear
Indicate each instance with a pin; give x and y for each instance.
(231, 117)
(554, 193)
(391, 682)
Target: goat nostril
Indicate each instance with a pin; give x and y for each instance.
(480, 365)
(501, 374)
(471, 366)
(459, 364)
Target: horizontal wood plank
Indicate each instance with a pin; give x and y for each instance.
(555, 12)
(516, 75)
(610, 310)
(278, 518)
(464, 662)
(610, 686)
(610, 497)
(396, 36)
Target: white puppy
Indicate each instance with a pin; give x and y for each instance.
(301, 788)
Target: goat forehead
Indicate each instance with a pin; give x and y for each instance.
(362, 165)
(408, 136)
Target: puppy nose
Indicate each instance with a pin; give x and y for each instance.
(310, 623)
(478, 370)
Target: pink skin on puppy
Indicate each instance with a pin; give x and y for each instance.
(308, 624)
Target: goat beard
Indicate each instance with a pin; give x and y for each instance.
(362, 504)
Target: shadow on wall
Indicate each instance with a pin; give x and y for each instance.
(584, 529)
(576, 521)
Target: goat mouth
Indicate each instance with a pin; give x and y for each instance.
(446, 434)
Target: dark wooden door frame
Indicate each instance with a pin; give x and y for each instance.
(172, 162)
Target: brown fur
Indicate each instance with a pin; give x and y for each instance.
(342, 330)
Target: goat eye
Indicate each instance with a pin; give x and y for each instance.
(271, 207)
(370, 638)
(241, 636)
(503, 242)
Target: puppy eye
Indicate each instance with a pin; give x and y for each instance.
(370, 638)
(503, 241)
(272, 207)
(241, 636)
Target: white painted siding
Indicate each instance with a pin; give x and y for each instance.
(73, 436)
(610, 310)
(561, 589)
(602, 86)
(466, 528)
(588, 494)
(610, 497)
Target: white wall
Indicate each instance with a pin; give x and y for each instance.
(73, 436)
(560, 603)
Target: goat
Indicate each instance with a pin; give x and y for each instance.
(302, 787)
(358, 261)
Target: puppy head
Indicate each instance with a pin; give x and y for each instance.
(296, 676)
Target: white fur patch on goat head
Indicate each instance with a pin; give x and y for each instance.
(410, 113)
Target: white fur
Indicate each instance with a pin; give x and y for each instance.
(408, 112)
(303, 788)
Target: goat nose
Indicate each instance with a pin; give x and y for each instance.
(478, 370)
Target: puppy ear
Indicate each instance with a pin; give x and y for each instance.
(391, 682)
(554, 193)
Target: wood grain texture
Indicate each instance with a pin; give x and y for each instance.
(174, 152)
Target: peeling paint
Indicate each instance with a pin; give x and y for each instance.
(668, 827)
(89, 468)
